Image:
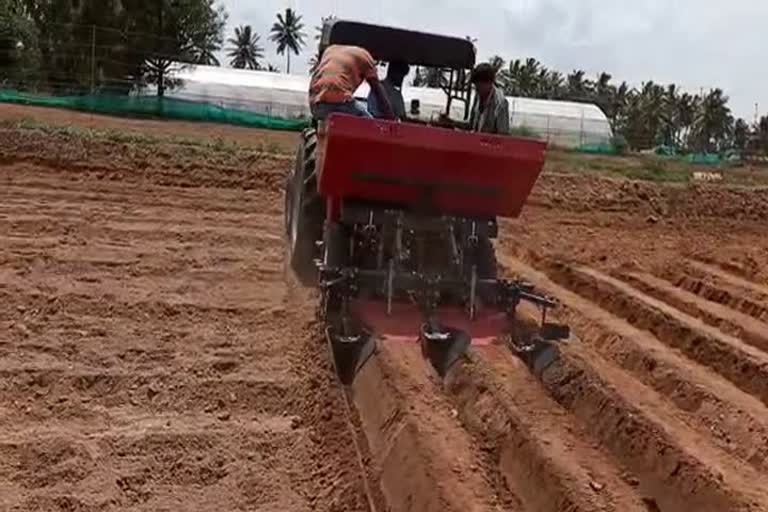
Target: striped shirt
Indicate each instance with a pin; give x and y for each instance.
(340, 72)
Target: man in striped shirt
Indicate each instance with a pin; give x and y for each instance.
(339, 73)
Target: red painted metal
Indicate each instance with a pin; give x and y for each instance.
(417, 166)
(405, 322)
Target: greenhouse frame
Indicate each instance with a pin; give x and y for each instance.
(562, 123)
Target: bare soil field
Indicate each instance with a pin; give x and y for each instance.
(155, 355)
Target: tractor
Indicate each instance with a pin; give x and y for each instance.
(393, 222)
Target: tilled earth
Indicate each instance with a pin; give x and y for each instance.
(154, 355)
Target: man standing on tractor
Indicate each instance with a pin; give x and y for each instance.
(393, 85)
(339, 73)
(490, 111)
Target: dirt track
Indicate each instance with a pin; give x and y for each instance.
(153, 355)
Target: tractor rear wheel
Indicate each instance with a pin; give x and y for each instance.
(304, 212)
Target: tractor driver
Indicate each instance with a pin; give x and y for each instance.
(339, 73)
(393, 86)
(490, 110)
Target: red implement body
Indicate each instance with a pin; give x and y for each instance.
(394, 223)
(410, 165)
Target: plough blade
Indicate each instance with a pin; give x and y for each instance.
(538, 356)
(349, 353)
(554, 332)
(443, 350)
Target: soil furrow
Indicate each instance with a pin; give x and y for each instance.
(759, 290)
(42, 394)
(94, 271)
(542, 454)
(153, 229)
(740, 363)
(729, 267)
(738, 324)
(678, 467)
(206, 292)
(719, 287)
(736, 421)
(50, 195)
(17, 301)
(161, 175)
(426, 461)
(140, 465)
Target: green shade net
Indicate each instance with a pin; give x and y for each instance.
(703, 158)
(693, 158)
(153, 106)
(598, 149)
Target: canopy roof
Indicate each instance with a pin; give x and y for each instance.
(394, 44)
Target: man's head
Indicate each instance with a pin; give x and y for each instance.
(484, 78)
(397, 72)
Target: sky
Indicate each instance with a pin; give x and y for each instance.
(698, 44)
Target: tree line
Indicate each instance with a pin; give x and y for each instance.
(78, 46)
(641, 117)
(118, 45)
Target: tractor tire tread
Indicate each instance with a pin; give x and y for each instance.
(310, 214)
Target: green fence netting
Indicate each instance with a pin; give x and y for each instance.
(152, 106)
(598, 149)
(703, 158)
(700, 158)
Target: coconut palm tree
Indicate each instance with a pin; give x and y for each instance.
(206, 54)
(553, 86)
(287, 33)
(433, 78)
(761, 134)
(497, 63)
(642, 117)
(670, 117)
(618, 109)
(740, 134)
(603, 92)
(245, 51)
(528, 79)
(578, 87)
(714, 122)
(652, 105)
(524, 78)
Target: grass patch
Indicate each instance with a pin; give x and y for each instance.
(659, 170)
(650, 168)
(136, 137)
(634, 167)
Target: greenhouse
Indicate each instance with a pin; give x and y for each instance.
(278, 95)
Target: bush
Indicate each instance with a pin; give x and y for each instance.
(19, 54)
(620, 144)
